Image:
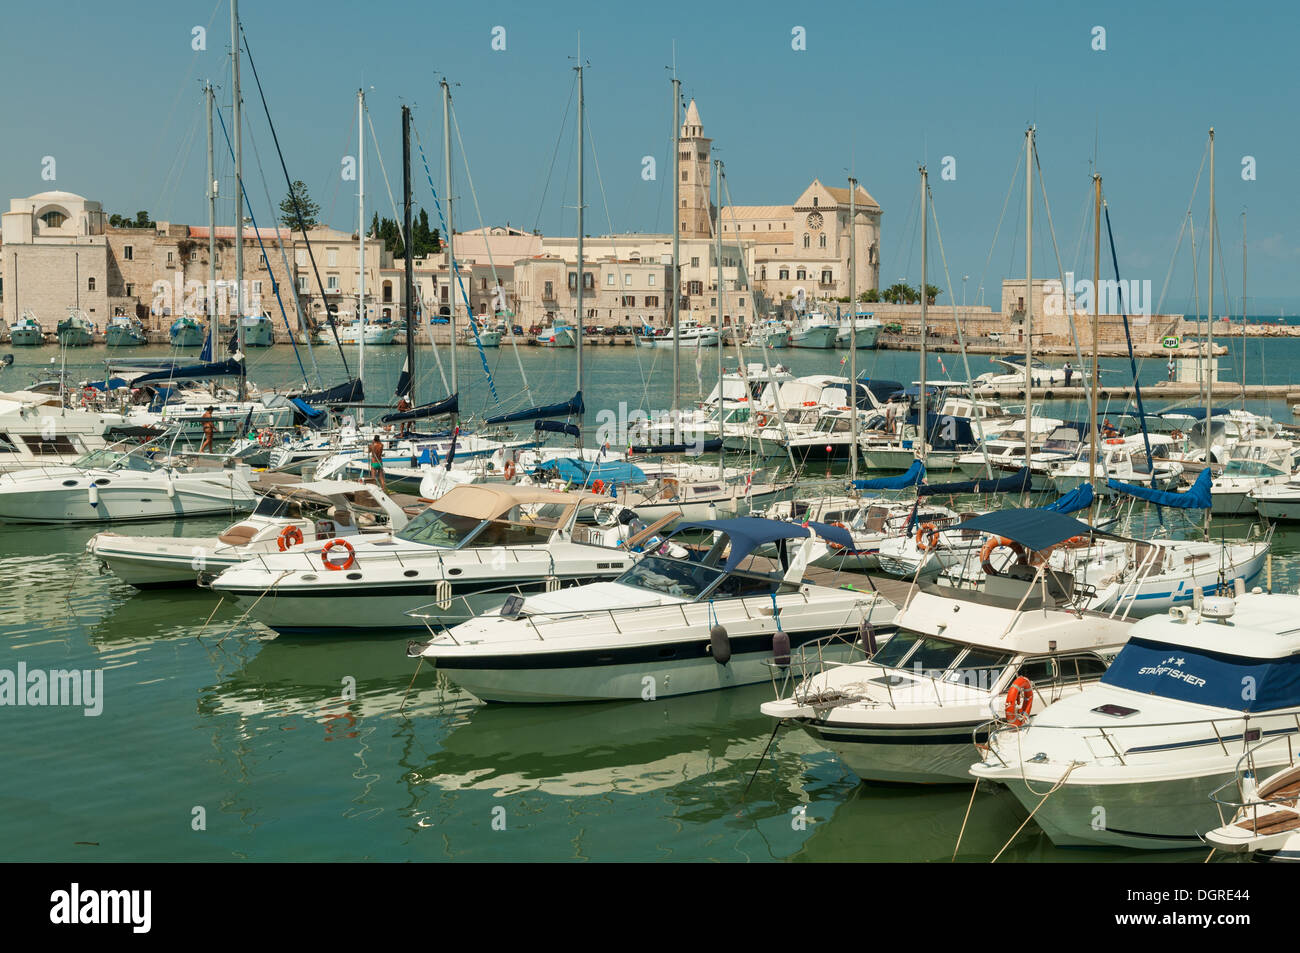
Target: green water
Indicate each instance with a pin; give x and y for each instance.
(204, 711)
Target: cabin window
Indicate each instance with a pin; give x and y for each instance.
(933, 656)
(7, 445)
(48, 446)
(979, 668)
(896, 649)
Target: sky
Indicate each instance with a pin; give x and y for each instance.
(113, 93)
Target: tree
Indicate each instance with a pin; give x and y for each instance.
(870, 296)
(298, 201)
(932, 292)
(141, 220)
(901, 292)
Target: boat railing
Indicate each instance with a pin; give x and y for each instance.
(1246, 764)
(1225, 731)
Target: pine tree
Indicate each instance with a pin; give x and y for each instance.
(289, 210)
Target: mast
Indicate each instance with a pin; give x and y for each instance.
(923, 430)
(677, 272)
(853, 328)
(1029, 292)
(717, 254)
(237, 122)
(1243, 309)
(1209, 327)
(361, 243)
(581, 150)
(408, 290)
(451, 229)
(212, 233)
(1096, 335)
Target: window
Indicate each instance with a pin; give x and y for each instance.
(130, 290)
(54, 219)
(302, 284)
(629, 301)
(549, 291)
(90, 284)
(683, 175)
(573, 281)
(332, 283)
(814, 201)
(652, 301)
(822, 240)
(785, 274)
(695, 262)
(588, 281)
(627, 281)
(650, 280)
(805, 240)
(695, 287)
(169, 258)
(482, 284)
(257, 286)
(762, 273)
(333, 255)
(801, 274)
(609, 280)
(128, 253)
(826, 277)
(742, 303)
(194, 255)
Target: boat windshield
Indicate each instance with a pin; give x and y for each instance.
(674, 577)
(112, 460)
(1260, 464)
(930, 656)
(447, 530)
(435, 528)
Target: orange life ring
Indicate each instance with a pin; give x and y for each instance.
(598, 486)
(289, 536)
(1020, 698)
(88, 395)
(510, 470)
(994, 542)
(927, 537)
(762, 420)
(347, 563)
(1114, 441)
(266, 437)
(831, 543)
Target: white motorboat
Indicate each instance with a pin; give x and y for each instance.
(691, 334)
(467, 552)
(557, 335)
(288, 516)
(914, 711)
(375, 333)
(1132, 760)
(37, 430)
(669, 625)
(1252, 465)
(1264, 821)
(1278, 502)
(1042, 374)
(111, 485)
(1124, 459)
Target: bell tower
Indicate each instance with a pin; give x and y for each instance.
(696, 213)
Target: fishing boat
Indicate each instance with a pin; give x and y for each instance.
(864, 327)
(556, 335)
(914, 711)
(76, 330)
(1142, 750)
(258, 330)
(469, 551)
(26, 331)
(287, 516)
(186, 332)
(769, 334)
(125, 331)
(815, 329)
(112, 485)
(710, 619)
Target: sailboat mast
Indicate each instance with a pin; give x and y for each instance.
(853, 329)
(210, 299)
(581, 282)
(677, 271)
(1029, 293)
(1209, 327)
(237, 123)
(1096, 335)
(361, 243)
(921, 420)
(717, 255)
(408, 290)
(451, 229)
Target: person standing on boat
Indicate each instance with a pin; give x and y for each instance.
(1069, 371)
(403, 405)
(377, 462)
(208, 431)
(1173, 369)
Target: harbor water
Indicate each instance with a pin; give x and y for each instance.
(217, 740)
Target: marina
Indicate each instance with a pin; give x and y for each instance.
(764, 514)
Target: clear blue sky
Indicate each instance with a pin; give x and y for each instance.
(111, 91)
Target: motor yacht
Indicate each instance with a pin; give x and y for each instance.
(711, 619)
(1252, 465)
(1133, 760)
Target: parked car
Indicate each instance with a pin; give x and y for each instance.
(516, 329)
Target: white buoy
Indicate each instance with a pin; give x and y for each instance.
(93, 494)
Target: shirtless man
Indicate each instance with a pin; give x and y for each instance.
(377, 462)
(208, 430)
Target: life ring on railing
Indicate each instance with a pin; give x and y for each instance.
(88, 395)
(347, 563)
(1114, 441)
(762, 420)
(509, 471)
(830, 542)
(289, 536)
(927, 537)
(995, 542)
(1020, 698)
(266, 437)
